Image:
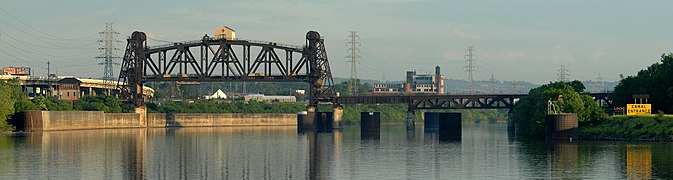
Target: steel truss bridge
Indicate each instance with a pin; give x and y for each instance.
(218, 59)
(499, 101)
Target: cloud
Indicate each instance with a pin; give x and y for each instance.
(512, 55)
(562, 54)
(597, 56)
(460, 34)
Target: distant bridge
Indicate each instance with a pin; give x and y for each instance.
(494, 101)
(41, 85)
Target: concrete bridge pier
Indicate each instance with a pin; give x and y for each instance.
(142, 111)
(411, 115)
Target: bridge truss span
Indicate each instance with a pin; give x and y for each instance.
(495, 101)
(465, 102)
(222, 60)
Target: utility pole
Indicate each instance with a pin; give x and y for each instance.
(471, 55)
(108, 46)
(353, 59)
(48, 78)
(563, 74)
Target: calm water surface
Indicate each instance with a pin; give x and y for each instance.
(485, 152)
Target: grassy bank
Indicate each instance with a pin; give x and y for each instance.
(642, 128)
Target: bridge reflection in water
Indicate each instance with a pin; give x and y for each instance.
(283, 153)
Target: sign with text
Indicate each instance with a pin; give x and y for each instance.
(638, 109)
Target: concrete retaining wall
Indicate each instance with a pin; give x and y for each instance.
(73, 120)
(228, 119)
(123, 120)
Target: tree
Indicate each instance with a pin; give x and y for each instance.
(655, 81)
(52, 104)
(106, 103)
(7, 100)
(342, 88)
(529, 113)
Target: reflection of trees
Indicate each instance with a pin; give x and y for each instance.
(662, 160)
(564, 161)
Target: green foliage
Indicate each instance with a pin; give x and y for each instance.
(390, 113)
(24, 105)
(655, 81)
(657, 127)
(226, 107)
(483, 115)
(362, 89)
(529, 113)
(52, 104)
(106, 103)
(7, 99)
(164, 90)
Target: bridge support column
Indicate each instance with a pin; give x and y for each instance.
(370, 125)
(307, 120)
(411, 115)
(450, 126)
(142, 110)
(338, 117)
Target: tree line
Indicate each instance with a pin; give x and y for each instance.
(655, 81)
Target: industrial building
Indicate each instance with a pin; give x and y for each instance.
(414, 84)
(262, 97)
(225, 32)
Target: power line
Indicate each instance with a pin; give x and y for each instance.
(353, 56)
(470, 68)
(48, 35)
(109, 40)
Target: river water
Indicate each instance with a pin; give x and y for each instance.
(485, 152)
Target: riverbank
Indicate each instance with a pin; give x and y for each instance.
(632, 128)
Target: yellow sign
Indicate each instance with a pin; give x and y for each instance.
(638, 109)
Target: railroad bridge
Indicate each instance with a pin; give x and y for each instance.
(219, 59)
(236, 60)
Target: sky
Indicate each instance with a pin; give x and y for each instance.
(523, 40)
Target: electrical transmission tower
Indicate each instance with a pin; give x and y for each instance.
(492, 84)
(353, 57)
(471, 55)
(601, 83)
(563, 74)
(109, 48)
